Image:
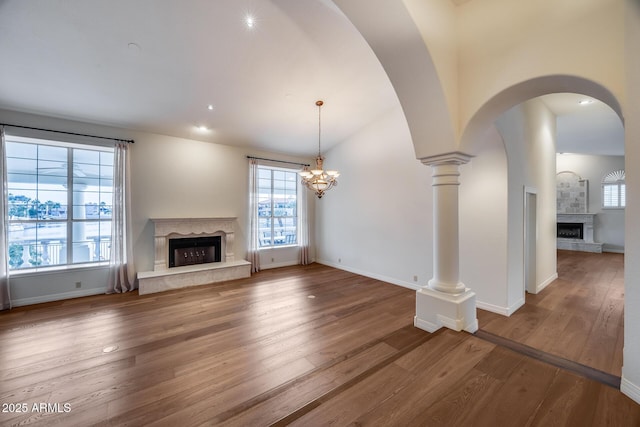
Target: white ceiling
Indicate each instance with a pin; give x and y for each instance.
(591, 128)
(73, 59)
(155, 65)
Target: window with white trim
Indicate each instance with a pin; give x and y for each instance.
(614, 190)
(59, 204)
(277, 206)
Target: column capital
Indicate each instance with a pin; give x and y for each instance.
(452, 158)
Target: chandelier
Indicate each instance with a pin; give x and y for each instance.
(318, 180)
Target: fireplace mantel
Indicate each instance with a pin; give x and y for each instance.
(188, 226)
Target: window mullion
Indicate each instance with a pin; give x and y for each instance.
(273, 210)
(619, 195)
(70, 207)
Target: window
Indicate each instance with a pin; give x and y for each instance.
(277, 206)
(614, 190)
(60, 201)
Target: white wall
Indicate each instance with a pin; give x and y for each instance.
(529, 133)
(609, 223)
(483, 195)
(171, 177)
(378, 220)
(505, 42)
(541, 153)
(631, 365)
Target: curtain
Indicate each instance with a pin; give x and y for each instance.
(121, 268)
(303, 225)
(252, 253)
(5, 292)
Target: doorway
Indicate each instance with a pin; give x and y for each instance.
(530, 238)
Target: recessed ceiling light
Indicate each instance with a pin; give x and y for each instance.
(585, 101)
(209, 107)
(250, 21)
(202, 128)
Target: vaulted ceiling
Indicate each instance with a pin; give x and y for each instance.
(157, 65)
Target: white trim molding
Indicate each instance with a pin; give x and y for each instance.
(630, 389)
(546, 283)
(453, 158)
(505, 311)
(380, 277)
(435, 309)
(58, 297)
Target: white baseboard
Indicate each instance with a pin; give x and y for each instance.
(515, 306)
(613, 250)
(278, 265)
(630, 389)
(505, 311)
(380, 277)
(57, 297)
(424, 325)
(430, 327)
(492, 308)
(547, 282)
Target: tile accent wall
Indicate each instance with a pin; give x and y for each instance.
(572, 193)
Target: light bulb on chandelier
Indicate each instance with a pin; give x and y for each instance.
(318, 180)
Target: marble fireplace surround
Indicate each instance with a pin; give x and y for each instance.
(163, 278)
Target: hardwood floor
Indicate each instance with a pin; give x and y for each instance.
(578, 317)
(308, 346)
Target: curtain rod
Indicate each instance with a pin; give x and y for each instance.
(129, 141)
(278, 161)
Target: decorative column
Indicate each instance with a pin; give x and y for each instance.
(446, 301)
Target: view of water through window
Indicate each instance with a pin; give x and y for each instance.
(60, 202)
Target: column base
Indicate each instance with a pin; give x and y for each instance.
(436, 309)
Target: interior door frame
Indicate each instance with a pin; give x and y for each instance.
(529, 244)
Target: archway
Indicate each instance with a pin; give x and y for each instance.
(526, 133)
(504, 119)
(398, 44)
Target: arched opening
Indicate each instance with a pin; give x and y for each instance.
(530, 131)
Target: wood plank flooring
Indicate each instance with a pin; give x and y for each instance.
(307, 346)
(578, 317)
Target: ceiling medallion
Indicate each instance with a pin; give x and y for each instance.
(318, 180)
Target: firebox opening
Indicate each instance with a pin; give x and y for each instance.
(195, 250)
(570, 230)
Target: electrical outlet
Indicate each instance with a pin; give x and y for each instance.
(78, 285)
(272, 260)
(339, 260)
(415, 278)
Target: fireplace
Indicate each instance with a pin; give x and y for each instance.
(192, 252)
(575, 232)
(195, 250)
(570, 230)
(220, 230)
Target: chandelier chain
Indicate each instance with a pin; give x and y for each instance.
(319, 104)
(318, 180)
